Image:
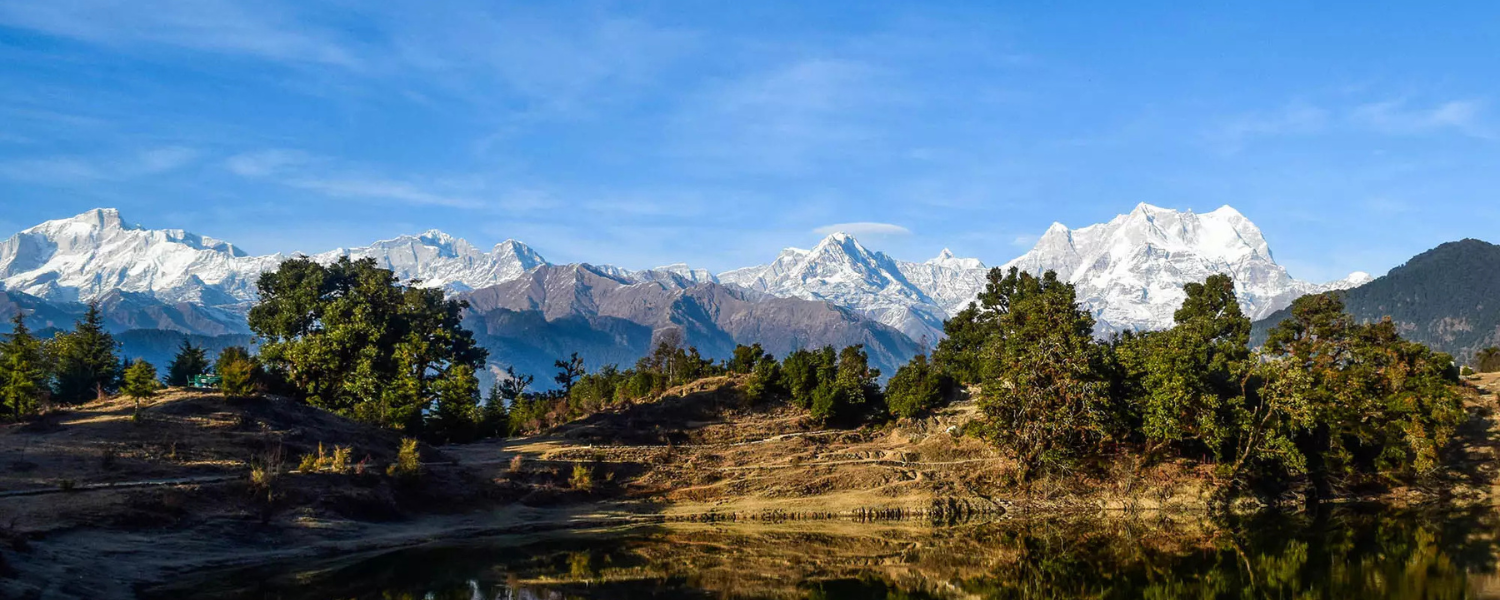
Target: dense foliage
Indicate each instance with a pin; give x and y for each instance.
(918, 386)
(350, 338)
(24, 372)
(1327, 401)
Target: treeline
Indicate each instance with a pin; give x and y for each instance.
(1326, 400)
(85, 364)
(834, 385)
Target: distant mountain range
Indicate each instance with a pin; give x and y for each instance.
(1447, 297)
(1129, 273)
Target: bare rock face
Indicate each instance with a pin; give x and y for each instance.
(575, 300)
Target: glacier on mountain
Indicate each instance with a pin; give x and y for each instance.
(1130, 271)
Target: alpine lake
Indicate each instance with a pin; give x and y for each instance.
(1356, 552)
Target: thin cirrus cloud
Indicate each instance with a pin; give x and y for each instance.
(1387, 117)
(863, 228)
(55, 170)
(221, 26)
(301, 170)
(1398, 117)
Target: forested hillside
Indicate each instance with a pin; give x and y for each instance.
(1447, 298)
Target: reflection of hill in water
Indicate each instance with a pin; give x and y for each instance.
(1345, 554)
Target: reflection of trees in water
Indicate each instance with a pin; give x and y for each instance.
(1347, 553)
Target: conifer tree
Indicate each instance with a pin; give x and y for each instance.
(23, 371)
(189, 362)
(140, 382)
(84, 360)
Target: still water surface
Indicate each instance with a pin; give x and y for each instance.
(1346, 553)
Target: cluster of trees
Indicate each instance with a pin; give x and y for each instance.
(84, 364)
(835, 386)
(73, 366)
(1326, 398)
(580, 392)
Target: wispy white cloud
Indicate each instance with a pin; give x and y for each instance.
(222, 26)
(263, 163)
(338, 179)
(1399, 117)
(1298, 118)
(162, 160)
(1387, 117)
(787, 119)
(384, 189)
(863, 228)
(69, 169)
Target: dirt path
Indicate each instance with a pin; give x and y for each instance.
(118, 485)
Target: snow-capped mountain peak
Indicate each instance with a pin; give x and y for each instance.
(913, 297)
(947, 259)
(96, 252)
(1131, 270)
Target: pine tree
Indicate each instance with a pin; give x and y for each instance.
(190, 362)
(23, 372)
(495, 419)
(84, 360)
(140, 382)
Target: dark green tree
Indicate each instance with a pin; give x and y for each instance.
(495, 416)
(140, 382)
(746, 358)
(84, 362)
(803, 371)
(23, 371)
(348, 337)
(1342, 402)
(190, 361)
(1184, 384)
(1044, 390)
(959, 353)
(238, 372)
(915, 388)
(456, 413)
(765, 380)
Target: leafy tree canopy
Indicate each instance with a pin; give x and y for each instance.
(352, 339)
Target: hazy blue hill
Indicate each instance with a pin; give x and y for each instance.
(1447, 297)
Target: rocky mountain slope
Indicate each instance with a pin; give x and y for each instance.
(553, 310)
(1447, 297)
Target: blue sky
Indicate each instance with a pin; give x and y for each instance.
(645, 133)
